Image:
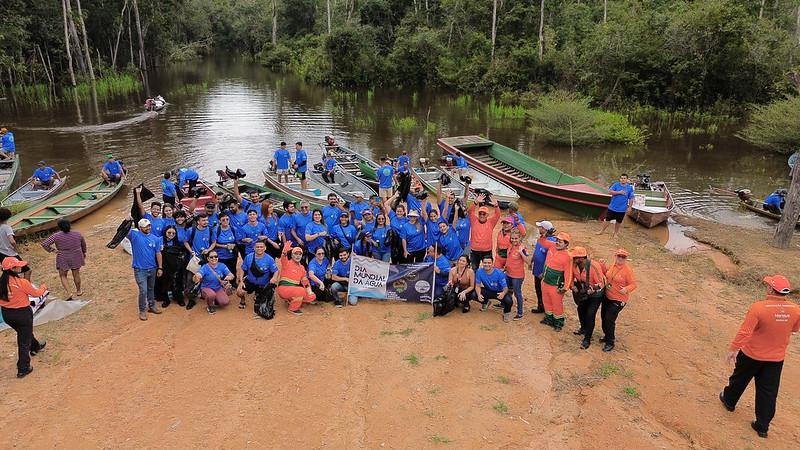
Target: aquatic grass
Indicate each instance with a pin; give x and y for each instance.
(38, 94)
(497, 110)
(695, 130)
(105, 88)
(461, 100)
(415, 99)
(363, 122)
(188, 90)
(404, 124)
(430, 129)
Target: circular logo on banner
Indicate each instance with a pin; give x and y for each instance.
(422, 286)
(412, 276)
(400, 285)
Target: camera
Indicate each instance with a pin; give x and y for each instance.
(198, 191)
(445, 179)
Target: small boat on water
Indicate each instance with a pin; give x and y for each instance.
(72, 204)
(345, 184)
(156, 103)
(31, 194)
(530, 177)
(353, 162)
(204, 194)
(275, 197)
(652, 203)
(8, 172)
(502, 192)
(757, 206)
(317, 191)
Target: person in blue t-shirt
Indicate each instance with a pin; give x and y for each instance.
(386, 179)
(343, 233)
(225, 242)
(441, 269)
(316, 230)
(154, 215)
(168, 189)
(329, 167)
(281, 160)
(331, 213)
(112, 171)
(247, 280)
(537, 266)
(358, 207)
(340, 275)
(300, 220)
(8, 144)
(448, 242)
(44, 176)
(621, 200)
(403, 162)
(413, 237)
(368, 223)
(251, 232)
(146, 250)
(301, 165)
(186, 176)
(319, 272)
(460, 164)
(774, 202)
(382, 250)
(490, 283)
(211, 276)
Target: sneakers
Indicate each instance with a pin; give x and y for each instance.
(507, 317)
(191, 304)
(579, 332)
(537, 310)
(165, 303)
(498, 305)
(518, 316)
(608, 347)
(337, 303)
(296, 313)
(24, 372)
(211, 310)
(485, 305)
(722, 399)
(585, 344)
(142, 315)
(761, 434)
(42, 345)
(602, 339)
(181, 302)
(313, 302)
(154, 310)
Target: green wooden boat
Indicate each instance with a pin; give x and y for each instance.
(8, 172)
(72, 204)
(530, 177)
(277, 198)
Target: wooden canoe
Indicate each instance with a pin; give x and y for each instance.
(275, 197)
(200, 206)
(354, 162)
(530, 177)
(317, 192)
(345, 184)
(8, 172)
(72, 204)
(652, 204)
(757, 206)
(502, 192)
(30, 194)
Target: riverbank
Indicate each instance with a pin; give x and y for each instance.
(386, 374)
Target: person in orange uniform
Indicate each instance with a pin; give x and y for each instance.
(557, 274)
(293, 285)
(481, 227)
(17, 313)
(761, 343)
(621, 283)
(588, 288)
(504, 240)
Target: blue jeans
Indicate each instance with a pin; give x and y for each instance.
(516, 286)
(337, 287)
(382, 256)
(146, 279)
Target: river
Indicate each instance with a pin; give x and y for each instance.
(246, 111)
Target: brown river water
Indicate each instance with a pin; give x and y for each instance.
(246, 111)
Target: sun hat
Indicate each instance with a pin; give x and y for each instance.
(413, 213)
(12, 261)
(777, 282)
(579, 252)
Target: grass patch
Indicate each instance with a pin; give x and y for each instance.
(429, 413)
(387, 314)
(435, 390)
(631, 391)
(107, 316)
(503, 380)
(440, 440)
(498, 110)
(440, 357)
(57, 357)
(608, 369)
(629, 374)
(412, 359)
(488, 327)
(406, 332)
(403, 124)
(500, 407)
(387, 333)
(106, 88)
(423, 316)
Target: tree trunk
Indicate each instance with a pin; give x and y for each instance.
(761, 11)
(785, 229)
(541, 30)
(605, 10)
(130, 35)
(274, 22)
(115, 49)
(76, 42)
(142, 64)
(494, 26)
(85, 41)
(66, 42)
(328, 2)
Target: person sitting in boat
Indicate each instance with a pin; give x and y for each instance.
(744, 194)
(403, 162)
(328, 168)
(9, 146)
(774, 203)
(329, 142)
(44, 177)
(112, 171)
(460, 164)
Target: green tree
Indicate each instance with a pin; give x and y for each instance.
(774, 126)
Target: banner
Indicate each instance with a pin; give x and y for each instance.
(377, 279)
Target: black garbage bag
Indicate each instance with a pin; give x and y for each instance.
(445, 303)
(122, 231)
(395, 244)
(240, 173)
(264, 304)
(331, 248)
(403, 187)
(231, 174)
(145, 195)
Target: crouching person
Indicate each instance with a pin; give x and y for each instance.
(293, 285)
(490, 283)
(258, 269)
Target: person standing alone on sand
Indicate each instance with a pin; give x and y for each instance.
(621, 200)
(621, 283)
(761, 343)
(16, 308)
(70, 254)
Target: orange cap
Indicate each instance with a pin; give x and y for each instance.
(777, 282)
(11, 261)
(563, 236)
(483, 209)
(621, 252)
(579, 252)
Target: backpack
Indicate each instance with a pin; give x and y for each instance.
(446, 303)
(264, 304)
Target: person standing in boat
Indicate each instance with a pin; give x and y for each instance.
(168, 189)
(112, 171)
(621, 200)
(403, 162)
(44, 176)
(8, 144)
(281, 160)
(386, 179)
(300, 165)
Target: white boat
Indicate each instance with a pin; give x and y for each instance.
(502, 192)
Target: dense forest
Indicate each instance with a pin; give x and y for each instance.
(704, 55)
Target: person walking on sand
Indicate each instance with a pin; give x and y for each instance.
(70, 253)
(621, 200)
(146, 250)
(17, 313)
(621, 283)
(759, 349)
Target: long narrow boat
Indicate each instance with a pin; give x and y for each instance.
(345, 184)
(317, 192)
(8, 171)
(208, 196)
(275, 197)
(652, 204)
(72, 204)
(530, 177)
(354, 162)
(30, 194)
(502, 192)
(757, 206)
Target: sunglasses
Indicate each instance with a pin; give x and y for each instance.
(320, 253)
(304, 207)
(213, 257)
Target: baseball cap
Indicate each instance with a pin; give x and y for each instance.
(143, 223)
(508, 219)
(367, 211)
(579, 252)
(777, 282)
(41, 163)
(621, 252)
(12, 261)
(110, 156)
(546, 224)
(483, 209)
(3, 130)
(563, 236)
(297, 250)
(344, 214)
(210, 204)
(413, 212)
